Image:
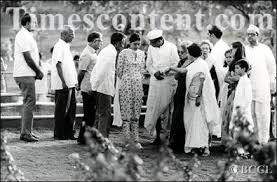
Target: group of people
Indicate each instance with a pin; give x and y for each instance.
(193, 90)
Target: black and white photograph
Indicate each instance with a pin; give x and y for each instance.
(138, 90)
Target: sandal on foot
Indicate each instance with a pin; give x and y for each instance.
(138, 146)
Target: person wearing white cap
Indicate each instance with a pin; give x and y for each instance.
(263, 80)
(161, 56)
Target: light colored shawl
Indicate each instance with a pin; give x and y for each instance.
(208, 94)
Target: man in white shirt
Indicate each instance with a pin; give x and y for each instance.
(26, 71)
(217, 57)
(161, 56)
(64, 81)
(87, 62)
(103, 82)
(263, 80)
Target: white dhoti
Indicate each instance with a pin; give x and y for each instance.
(261, 119)
(160, 97)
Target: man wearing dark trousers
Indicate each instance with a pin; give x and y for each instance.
(26, 71)
(87, 61)
(103, 82)
(64, 81)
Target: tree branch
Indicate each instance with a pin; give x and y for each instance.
(245, 14)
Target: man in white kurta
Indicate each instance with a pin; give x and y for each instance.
(102, 82)
(216, 58)
(161, 56)
(263, 80)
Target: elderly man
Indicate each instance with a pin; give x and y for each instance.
(160, 57)
(64, 81)
(103, 82)
(87, 61)
(263, 80)
(26, 71)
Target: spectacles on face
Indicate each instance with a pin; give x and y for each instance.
(251, 34)
(155, 41)
(205, 49)
(209, 35)
(98, 40)
(71, 34)
(180, 52)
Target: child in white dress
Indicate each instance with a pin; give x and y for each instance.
(243, 94)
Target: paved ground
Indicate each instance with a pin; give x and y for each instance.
(48, 159)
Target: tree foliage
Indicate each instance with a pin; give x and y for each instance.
(247, 7)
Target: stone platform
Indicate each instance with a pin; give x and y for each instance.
(11, 108)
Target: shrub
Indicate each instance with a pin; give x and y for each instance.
(243, 141)
(9, 171)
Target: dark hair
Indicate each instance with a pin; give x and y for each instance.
(194, 50)
(76, 57)
(117, 37)
(243, 64)
(92, 36)
(229, 51)
(25, 19)
(51, 50)
(216, 31)
(240, 54)
(134, 37)
(184, 48)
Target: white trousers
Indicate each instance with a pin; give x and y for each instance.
(261, 119)
(160, 98)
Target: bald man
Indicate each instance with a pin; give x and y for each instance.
(64, 81)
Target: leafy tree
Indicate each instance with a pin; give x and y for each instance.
(247, 7)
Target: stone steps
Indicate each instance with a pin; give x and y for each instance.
(11, 109)
(42, 108)
(11, 97)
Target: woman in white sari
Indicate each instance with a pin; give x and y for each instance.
(201, 109)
